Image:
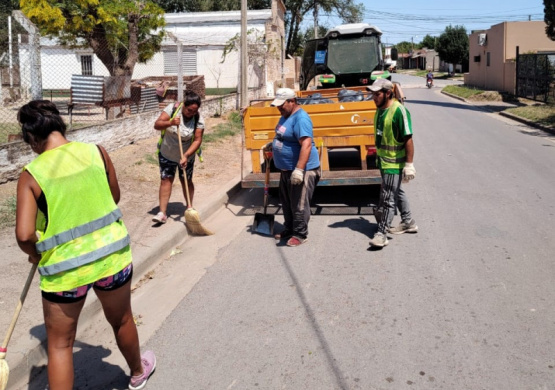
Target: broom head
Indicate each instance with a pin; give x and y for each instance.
(4, 372)
(192, 220)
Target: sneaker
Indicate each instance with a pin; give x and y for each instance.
(148, 361)
(379, 240)
(286, 234)
(160, 218)
(405, 227)
(296, 241)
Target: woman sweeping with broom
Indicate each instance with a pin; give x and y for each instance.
(182, 129)
(68, 222)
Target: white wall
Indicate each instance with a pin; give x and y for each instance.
(153, 67)
(59, 64)
(209, 64)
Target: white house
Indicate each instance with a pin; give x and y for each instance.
(203, 36)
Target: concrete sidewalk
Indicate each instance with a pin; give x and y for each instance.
(26, 350)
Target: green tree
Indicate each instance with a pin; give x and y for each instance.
(549, 18)
(120, 32)
(403, 47)
(429, 42)
(452, 45)
(348, 11)
(210, 5)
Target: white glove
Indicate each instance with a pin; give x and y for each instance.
(409, 172)
(297, 176)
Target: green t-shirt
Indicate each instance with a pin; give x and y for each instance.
(402, 126)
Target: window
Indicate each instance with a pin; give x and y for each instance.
(189, 62)
(86, 65)
(487, 58)
(476, 58)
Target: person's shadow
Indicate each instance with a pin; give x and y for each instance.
(91, 371)
(175, 210)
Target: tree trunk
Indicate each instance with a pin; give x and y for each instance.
(98, 42)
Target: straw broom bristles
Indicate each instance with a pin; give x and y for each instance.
(4, 369)
(192, 219)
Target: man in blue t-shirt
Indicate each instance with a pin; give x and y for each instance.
(295, 155)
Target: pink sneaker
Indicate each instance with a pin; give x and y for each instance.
(148, 361)
(160, 218)
(296, 241)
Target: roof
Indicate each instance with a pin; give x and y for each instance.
(211, 28)
(220, 17)
(203, 28)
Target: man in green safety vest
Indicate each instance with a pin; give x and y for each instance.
(395, 147)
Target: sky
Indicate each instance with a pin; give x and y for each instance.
(410, 20)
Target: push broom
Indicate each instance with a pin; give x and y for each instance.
(192, 219)
(4, 369)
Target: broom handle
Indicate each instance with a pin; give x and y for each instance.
(4, 347)
(185, 173)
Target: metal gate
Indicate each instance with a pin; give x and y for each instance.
(535, 76)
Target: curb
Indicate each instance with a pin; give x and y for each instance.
(34, 354)
(454, 96)
(527, 122)
(509, 115)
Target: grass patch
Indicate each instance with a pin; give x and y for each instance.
(227, 129)
(49, 94)
(7, 212)
(462, 91)
(421, 73)
(151, 158)
(219, 91)
(7, 129)
(542, 114)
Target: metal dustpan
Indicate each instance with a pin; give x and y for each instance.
(264, 223)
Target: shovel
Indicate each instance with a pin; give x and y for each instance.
(264, 223)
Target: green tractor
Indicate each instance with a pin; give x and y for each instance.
(349, 55)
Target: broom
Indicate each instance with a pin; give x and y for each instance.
(4, 369)
(192, 219)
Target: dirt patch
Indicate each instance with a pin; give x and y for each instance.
(487, 96)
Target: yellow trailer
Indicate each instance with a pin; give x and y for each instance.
(336, 126)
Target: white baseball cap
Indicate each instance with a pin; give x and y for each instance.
(282, 95)
(380, 84)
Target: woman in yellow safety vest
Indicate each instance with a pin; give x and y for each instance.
(69, 224)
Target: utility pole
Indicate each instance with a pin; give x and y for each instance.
(244, 55)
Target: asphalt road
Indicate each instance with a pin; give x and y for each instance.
(466, 303)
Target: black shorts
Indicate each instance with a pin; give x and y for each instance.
(168, 167)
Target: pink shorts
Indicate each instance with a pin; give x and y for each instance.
(106, 284)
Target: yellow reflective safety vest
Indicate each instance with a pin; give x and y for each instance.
(391, 152)
(82, 237)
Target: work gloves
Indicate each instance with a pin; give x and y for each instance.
(297, 176)
(409, 172)
(267, 150)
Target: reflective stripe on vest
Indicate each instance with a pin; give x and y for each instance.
(87, 258)
(79, 231)
(392, 153)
